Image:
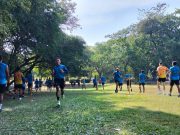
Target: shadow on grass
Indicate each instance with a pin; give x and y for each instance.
(81, 113)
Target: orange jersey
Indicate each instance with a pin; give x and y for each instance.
(162, 71)
(18, 77)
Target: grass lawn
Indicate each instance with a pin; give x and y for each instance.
(93, 112)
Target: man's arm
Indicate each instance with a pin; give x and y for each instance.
(65, 70)
(7, 75)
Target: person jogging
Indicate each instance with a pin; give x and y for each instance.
(4, 80)
(59, 72)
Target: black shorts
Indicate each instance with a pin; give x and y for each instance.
(120, 84)
(161, 79)
(29, 85)
(2, 88)
(95, 85)
(141, 83)
(103, 83)
(174, 82)
(59, 82)
(18, 86)
(128, 82)
(116, 81)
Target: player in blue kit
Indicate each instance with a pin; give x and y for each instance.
(103, 81)
(4, 80)
(174, 77)
(117, 78)
(59, 72)
(142, 79)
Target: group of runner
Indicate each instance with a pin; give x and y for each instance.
(60, 71)
(162, 72)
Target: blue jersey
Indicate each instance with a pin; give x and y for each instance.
(142, 78)
(175, 72)
(128, 76)
(3, 77)
(57, 71)
(117, 75)
(94, 81)
(103, 79)
(36, 82)
(30, 78)
(120, 80)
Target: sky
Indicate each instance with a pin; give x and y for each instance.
(99, 18)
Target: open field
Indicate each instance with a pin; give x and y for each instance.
(93, 112)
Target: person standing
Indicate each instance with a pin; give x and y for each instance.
(174, 77)
(30, 83)
(142, 79)
(117, 77)
(128, 82)
(161, 77)
(18, 82)
(83, 83)
(59, 72)
(4, 80)
(103, 81)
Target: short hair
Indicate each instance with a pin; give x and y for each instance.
(142, 71)
(160, 63)
(17, 68)
(58, 58)
(174, 63)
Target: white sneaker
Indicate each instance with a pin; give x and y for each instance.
(59, 103)
(20, 98)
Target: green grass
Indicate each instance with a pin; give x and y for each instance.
(93, 112)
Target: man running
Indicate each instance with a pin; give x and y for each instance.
(18, 82)
(142, 79)
(128, 80)
(4, 80)
(161, 77)
(174, 76)
(103, 81)
(117, 77)
(59, 72)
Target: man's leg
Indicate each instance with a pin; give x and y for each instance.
(143, 88)
(164, 91)
(30, 89)
(178, 90)
(58, 95)
(170, 92)
(158, 86)
(128, 87)
(120, 87)
(1, 101)
(140, 88)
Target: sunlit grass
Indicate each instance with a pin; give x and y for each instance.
(94, 112)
